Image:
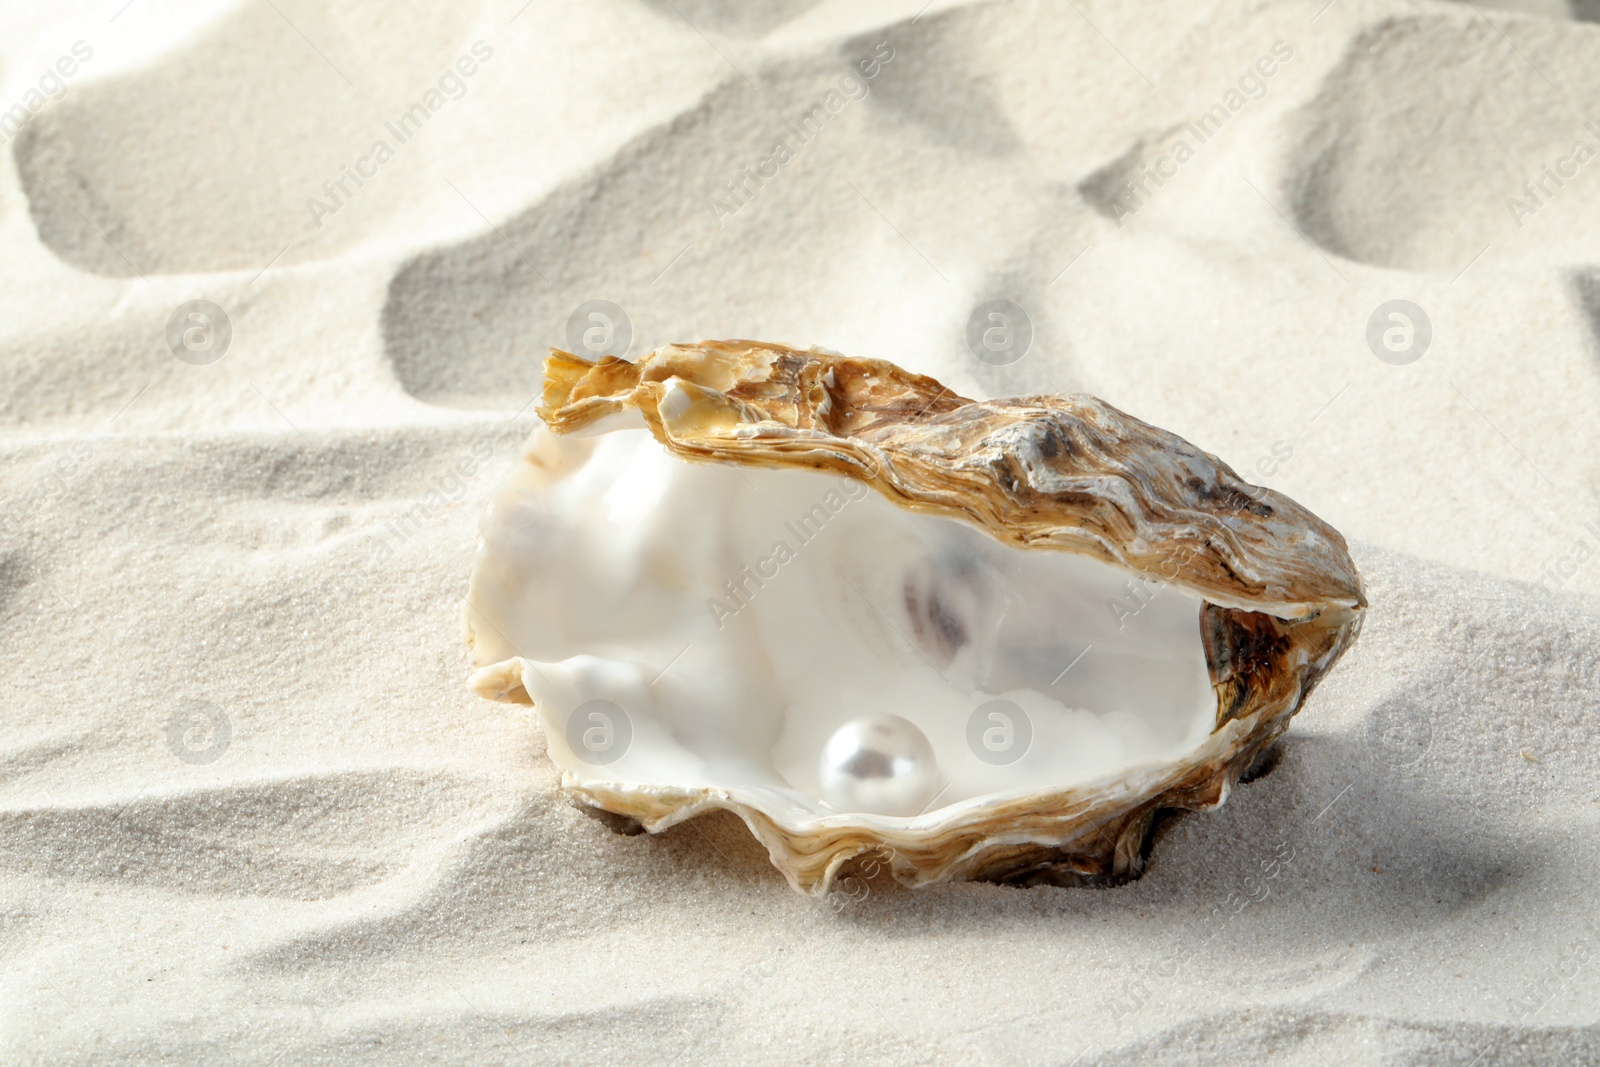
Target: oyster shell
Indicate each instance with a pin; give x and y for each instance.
(714, 560)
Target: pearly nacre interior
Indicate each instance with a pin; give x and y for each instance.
(724, 622)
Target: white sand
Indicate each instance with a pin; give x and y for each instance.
(380, 868)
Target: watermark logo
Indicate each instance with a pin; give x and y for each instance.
(199, 732)
(1399, 332)
(199, 332)
(599, 328)
(1400, 733)
(599, 732)
(999, 332)
(999, 732)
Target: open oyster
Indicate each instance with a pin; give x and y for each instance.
(977, 639)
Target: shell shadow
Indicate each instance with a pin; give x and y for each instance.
(1336, 825)
(719, 841)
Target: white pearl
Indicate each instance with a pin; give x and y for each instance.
(879, 765)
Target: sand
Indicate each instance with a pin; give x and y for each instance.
(249, 812)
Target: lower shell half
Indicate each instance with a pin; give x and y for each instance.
(711, 565)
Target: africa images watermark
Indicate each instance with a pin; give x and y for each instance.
(1150, 977)
(1551, 180)
(1135, 193)
(738, 193)
(805, 529)
(1561, 570)
(1142, 591)
(452, 86)
(444, 491)
(1538, 991)
(51, 85)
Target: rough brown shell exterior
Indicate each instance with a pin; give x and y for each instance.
(1066, 473)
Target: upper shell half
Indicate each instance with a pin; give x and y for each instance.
(712, 559)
